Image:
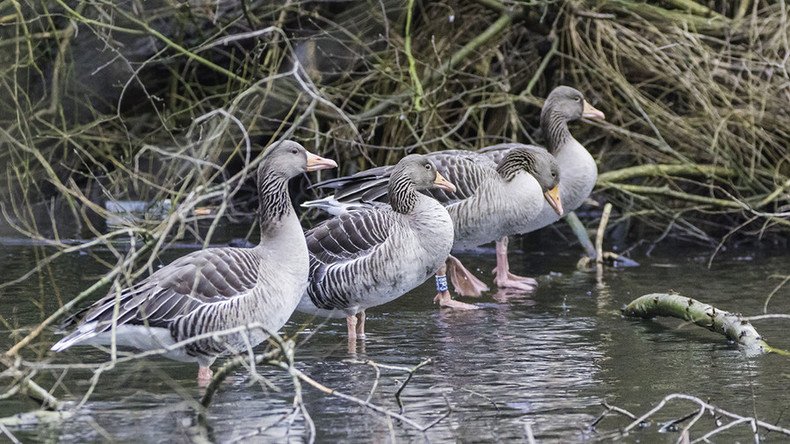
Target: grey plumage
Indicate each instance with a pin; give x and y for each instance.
(486, 202)
(579, 171)
(370, 256)
(218, 288)
(492, 206)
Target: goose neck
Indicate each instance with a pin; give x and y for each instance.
(274, 203)
(403, 196)
(515, 162)
(555, 127)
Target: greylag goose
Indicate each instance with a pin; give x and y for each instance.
(579, 171)
(372, 255)
(217, 288)
(491, 200)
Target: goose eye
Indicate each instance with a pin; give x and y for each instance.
(577, 98)
(294, 151)
(428, 166)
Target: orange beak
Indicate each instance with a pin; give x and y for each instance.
(553, 198)
(589, 112)
(443, 183)
(315, 163)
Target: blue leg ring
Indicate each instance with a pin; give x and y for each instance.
(441, 283)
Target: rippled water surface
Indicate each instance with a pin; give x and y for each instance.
(544, 361)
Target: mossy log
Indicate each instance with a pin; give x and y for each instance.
(731, 325)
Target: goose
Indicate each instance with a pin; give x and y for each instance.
(217, 288)
(579, 172)
(490, 201)
(372, 255)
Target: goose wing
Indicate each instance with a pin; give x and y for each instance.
(350, 236)
(341, 249)
(365, 186)
(203, 277)
(498, 152)
(465, 169)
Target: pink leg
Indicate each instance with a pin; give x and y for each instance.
(204, 376)
(464, 282)
(444, 299)
(351, 324)
(504, 278)
(361, 324)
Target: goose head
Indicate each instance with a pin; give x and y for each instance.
(541, 165)
(422, 173)
(546, 171)
(289, 159)
(570, 104)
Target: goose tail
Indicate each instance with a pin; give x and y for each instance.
(82, 334)
(329, 205)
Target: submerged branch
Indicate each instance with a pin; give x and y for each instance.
(408, 378)
(227, 368)
(27, 385)
(707, 407)
(283, 357)
(360, 402)
(731, 325)
(724, 420)
(607, 210)
(68, 306)
(580, 231)
(409, 371)
(36, 417)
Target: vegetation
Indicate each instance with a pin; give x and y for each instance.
(175, 96)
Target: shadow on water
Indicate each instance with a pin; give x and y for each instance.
(547, 359)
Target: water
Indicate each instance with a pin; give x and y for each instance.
(546, 360)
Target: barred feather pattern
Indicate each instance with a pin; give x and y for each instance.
(495, 192)
(274, 200)
(498, 206)
(212, 290)
(515, 162)
(368, 257)
(578, 168)
(496, 153)
(402, 195)
(181, 297)
(465, 169)
(365, 186)
(555, 125)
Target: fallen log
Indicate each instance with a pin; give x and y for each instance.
(731, 325)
